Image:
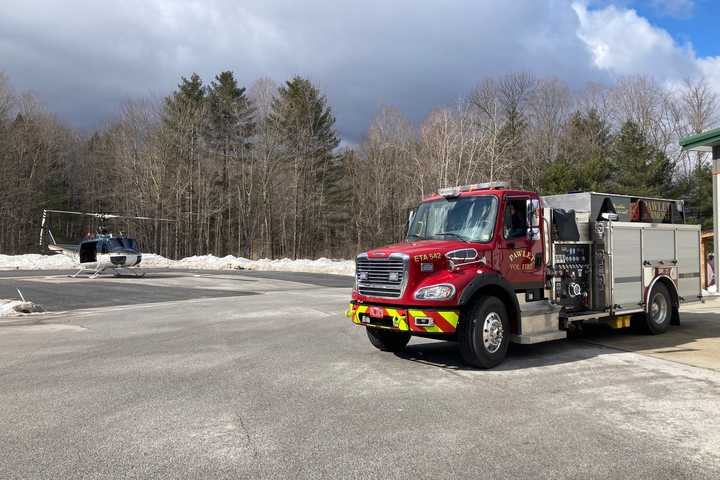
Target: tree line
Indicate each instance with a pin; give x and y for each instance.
(258, 172)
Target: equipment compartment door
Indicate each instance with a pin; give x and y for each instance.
(688, 252)
(627, 267)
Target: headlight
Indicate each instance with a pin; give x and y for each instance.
(435, 292)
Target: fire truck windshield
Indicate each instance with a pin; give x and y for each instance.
(471, 219)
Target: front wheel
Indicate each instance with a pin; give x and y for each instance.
(484, 333)
(387, 340)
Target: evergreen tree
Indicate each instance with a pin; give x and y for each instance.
(229, 126)
(183, 121)
(304, 122)
(230, 115)
(639, 168)
(583, 162)
(696, 190)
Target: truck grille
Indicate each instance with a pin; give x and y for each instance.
(381, 277)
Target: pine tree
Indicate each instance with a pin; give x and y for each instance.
(303, 120)
(583, 162)
(230, 115)
(696, 190)
(183, 124)
(229, 126)
(639, 168)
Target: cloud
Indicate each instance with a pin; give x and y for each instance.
(84, 57)
(621, 42)
(624, 43)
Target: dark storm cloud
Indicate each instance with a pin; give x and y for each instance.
(84, 58)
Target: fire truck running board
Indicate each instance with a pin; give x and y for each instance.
(539, 322)
(545, 337)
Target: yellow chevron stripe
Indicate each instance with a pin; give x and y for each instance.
(360, 309)
(399, 321)
(451, 317)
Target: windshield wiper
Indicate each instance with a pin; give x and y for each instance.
(452, 234)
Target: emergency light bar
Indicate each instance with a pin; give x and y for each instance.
(455, 191)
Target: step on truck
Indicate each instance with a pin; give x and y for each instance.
(485, 265)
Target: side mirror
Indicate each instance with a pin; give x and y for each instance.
(411, 216)
(533, 233)
(533, 218)
(533, 213)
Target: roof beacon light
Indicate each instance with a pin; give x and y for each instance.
(449, 192)
(455, 191)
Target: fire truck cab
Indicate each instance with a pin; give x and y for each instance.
(485, 265)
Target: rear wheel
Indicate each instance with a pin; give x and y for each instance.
(484, 333)
(659, 311)
(387, 340)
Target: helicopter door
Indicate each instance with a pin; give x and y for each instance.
(88, 251)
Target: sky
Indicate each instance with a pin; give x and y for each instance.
(84, 58)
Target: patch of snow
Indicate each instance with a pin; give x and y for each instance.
(230, 262)
(201, 262)
(9, 308)
(33, 261)
(711, 291)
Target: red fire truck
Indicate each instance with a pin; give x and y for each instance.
(471, 252)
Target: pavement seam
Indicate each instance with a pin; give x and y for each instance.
(620, 349)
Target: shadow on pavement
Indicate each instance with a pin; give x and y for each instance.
(696, 342)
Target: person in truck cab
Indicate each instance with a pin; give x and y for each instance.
(515, 222)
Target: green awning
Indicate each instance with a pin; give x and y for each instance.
(702, 141)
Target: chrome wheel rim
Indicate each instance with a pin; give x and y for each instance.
(659, 308)
(493, 332)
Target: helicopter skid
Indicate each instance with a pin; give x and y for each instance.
(129, 272)
(117, 271)
(93, 273)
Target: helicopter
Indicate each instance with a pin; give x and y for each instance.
(100, 252)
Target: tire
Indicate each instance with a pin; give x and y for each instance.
(484, 333)
(659, 311)
(388, 340)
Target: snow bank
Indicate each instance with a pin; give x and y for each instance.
(7, 307)
(202, 262)
(211, 262)
(33, 261)
(15, 307)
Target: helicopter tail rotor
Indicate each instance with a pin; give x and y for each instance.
(42, 229)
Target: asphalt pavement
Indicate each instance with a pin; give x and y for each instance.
(239, 375)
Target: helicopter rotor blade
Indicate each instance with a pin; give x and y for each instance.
(108, 215)
(139, 218)
(73, 213)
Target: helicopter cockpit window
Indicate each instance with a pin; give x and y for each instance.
(118, 243)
